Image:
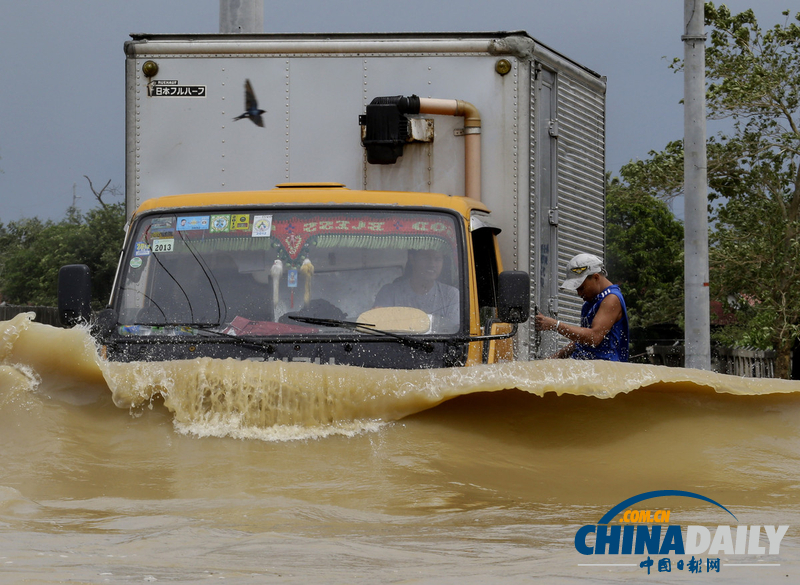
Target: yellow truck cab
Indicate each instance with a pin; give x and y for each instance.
(317, 273)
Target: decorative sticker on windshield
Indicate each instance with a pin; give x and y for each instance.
(240, 222)
(193, 223)
(262, 226)
(220, 223)
(161, 223)
(160, 227)
(159, 233)
(142, 249)
(166, 245)
(136, 262)
(293, 234)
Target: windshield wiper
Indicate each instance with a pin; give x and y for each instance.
(425, 346)
(246, 341)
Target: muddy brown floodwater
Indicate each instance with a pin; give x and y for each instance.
(277, 472)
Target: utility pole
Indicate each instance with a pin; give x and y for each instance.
(695, 176)
(241, 16)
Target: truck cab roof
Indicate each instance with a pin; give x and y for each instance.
(293, 194)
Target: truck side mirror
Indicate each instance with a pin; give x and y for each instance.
(514, 296)
(74, 294)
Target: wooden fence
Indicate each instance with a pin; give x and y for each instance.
(46, 315)
(748, 363)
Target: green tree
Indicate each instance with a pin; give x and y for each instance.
(33, 252)
(644, 249)
(753, 78)
(17, 240)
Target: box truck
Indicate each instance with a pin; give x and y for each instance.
(380, 200)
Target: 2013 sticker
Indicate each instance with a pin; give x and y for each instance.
(165, 245)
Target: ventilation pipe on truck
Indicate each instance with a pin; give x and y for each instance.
(386, 132)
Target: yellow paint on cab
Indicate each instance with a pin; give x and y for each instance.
(311, 194)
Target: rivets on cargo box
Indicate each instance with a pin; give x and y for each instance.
(150, 68)
(502, 66)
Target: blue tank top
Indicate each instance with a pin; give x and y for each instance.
(614, 346)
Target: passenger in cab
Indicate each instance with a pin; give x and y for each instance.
(603, 332)
(420, 288)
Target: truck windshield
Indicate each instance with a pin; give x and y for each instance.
(249, 273)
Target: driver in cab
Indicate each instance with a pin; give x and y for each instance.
(419, 287)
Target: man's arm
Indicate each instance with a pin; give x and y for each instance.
(564, 352)
(452, 306)
(609, 312)
(386, 296)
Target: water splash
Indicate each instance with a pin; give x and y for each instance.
(278, 400)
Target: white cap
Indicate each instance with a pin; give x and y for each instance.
(579, 268)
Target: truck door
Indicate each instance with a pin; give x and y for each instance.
(547, 237)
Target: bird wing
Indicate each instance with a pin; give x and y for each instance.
(250, 102)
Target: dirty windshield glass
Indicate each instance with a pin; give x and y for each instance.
(248, 274)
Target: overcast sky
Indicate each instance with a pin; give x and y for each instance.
(62, 72)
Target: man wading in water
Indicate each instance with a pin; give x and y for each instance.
(603, 333)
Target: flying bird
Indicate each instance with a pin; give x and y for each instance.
(251, 106)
